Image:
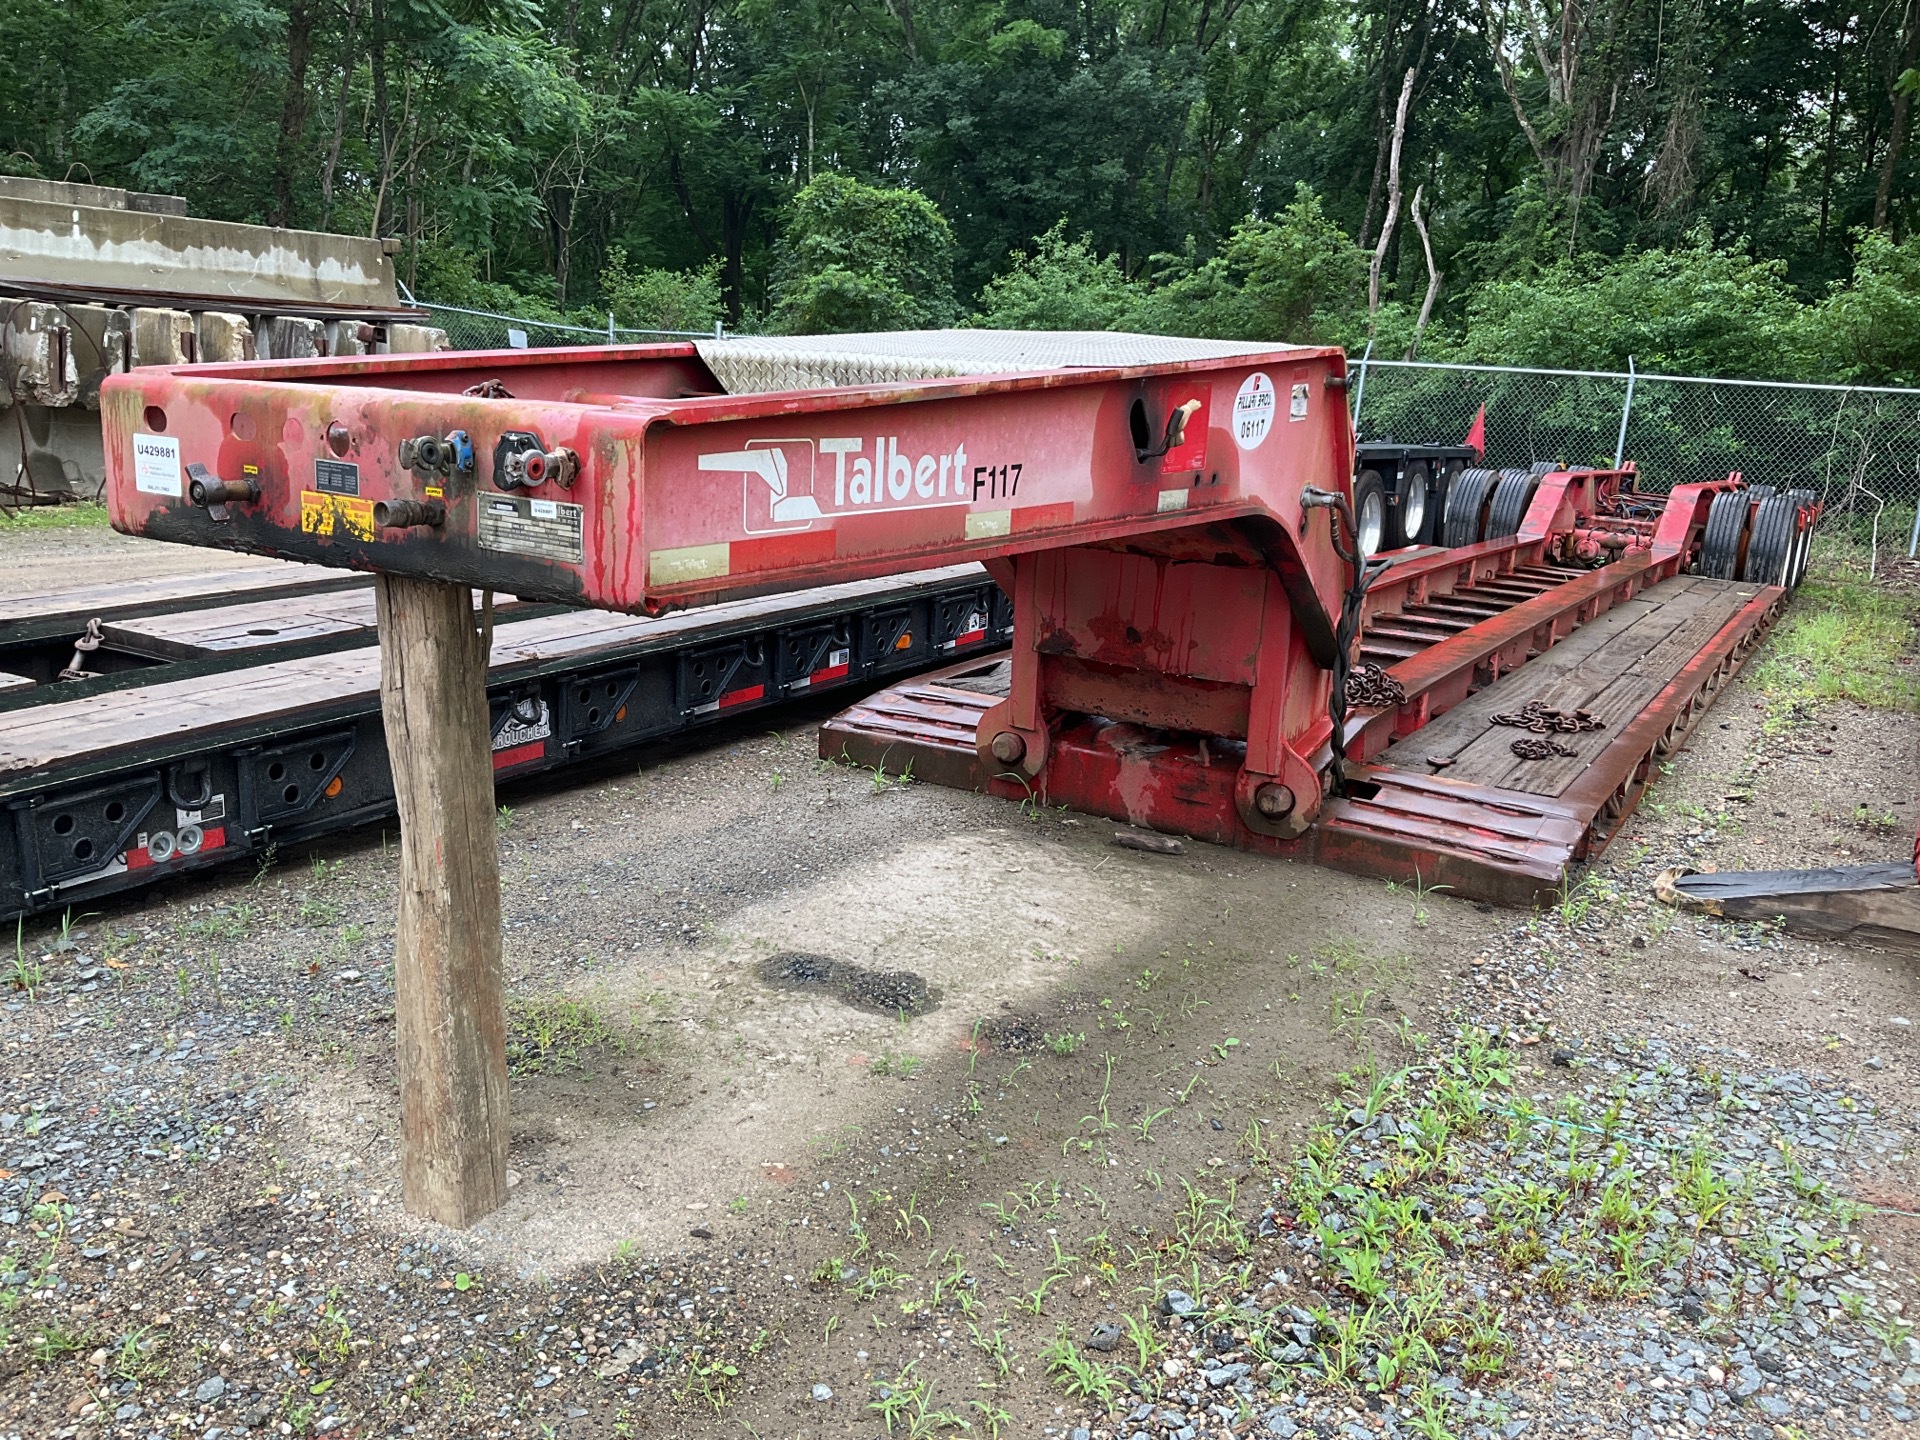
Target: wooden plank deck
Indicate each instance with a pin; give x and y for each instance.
(26, 617)
(1611, 667)
(228, 629)
(264, 625)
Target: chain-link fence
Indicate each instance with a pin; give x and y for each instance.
(1858, 447)
(486, 330)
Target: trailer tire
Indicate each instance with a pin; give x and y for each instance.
(1372, 524)
(1720, 542)
(1770, 551)
(1445, 473)
(1511, 497)
(1467, 507)
(1543, 467)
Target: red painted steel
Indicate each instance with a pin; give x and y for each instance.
(1175, 601)
(1185, 585)
(686, 495)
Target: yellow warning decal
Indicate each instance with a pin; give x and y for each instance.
(341, 515)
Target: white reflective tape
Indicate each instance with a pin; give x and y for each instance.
(986, 524)
(691, 562)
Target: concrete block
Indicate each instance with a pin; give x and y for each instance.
(415, 339)
(292, 337)
(38, 366)
(351, 337)
(225, 336)
(102, 340)
(163, 337)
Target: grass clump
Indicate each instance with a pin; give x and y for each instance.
(1842, 640)
(76, 515)
(1844, 637)
(555, 1034)
(1442, 1215)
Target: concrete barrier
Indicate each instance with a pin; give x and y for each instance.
(292, 337)
(223, 293)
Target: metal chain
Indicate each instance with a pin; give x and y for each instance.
(1542, 719)
(1539, 749)
(1371, 687)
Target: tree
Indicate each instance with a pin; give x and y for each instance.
(513, 146)
(655, 299)
(1868, 332)
(1699, 310)
(859, 257)
(1298, 279)
(1063, 285)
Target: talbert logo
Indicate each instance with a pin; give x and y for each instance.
(789, 484)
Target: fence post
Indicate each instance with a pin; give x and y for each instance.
(1360, 391)
(1620, 445)
(610, 327)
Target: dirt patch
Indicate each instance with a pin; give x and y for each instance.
(899, 993)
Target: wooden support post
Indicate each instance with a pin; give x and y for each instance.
(449, 1008)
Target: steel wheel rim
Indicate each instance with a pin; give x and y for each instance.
(1413, 511)
(1372, 523)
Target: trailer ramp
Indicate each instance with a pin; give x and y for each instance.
(1449, 804)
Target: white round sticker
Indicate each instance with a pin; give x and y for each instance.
(1253, 411)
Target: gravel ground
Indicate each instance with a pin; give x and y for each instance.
(55, 557)
(1421, 1167)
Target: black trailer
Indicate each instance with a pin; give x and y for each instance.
(1400, 491)
(204, 724)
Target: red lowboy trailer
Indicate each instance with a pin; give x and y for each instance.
(1168, 517)
(1196, 645)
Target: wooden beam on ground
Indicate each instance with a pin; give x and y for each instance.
(449, 1007)
(1877, 904)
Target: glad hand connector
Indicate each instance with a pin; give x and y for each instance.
(433, 457)
(521, 462)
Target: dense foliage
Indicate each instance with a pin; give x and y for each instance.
(1700, 184)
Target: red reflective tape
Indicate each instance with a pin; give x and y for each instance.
(831, 672)
(519, 754)
(138, 858)
(1042, 517)
(742, 697)
(970, 637)
(214, 838)
(778, 552)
